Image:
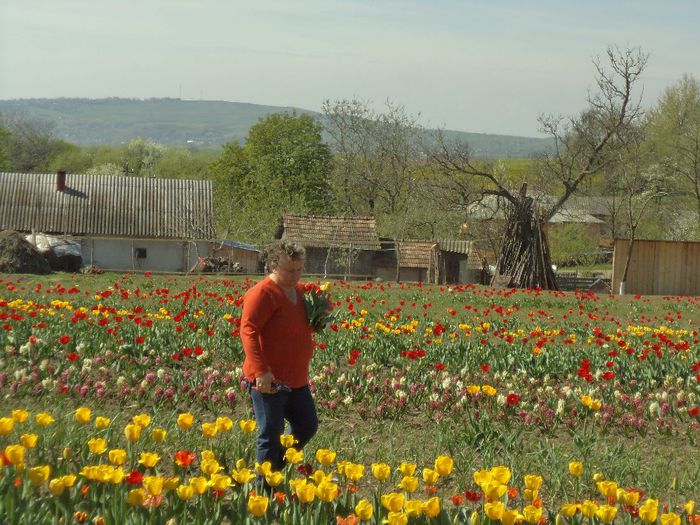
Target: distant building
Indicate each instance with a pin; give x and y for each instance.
(121, 223)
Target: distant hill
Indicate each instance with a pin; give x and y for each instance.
(202, 123)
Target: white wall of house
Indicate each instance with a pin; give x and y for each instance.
(142, 254)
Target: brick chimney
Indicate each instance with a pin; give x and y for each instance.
(60, 180)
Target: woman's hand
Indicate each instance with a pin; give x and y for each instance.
(263, 383)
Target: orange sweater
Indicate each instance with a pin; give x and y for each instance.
(276, 335)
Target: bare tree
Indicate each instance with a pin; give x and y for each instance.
(582, 147)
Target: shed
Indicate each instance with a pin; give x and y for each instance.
(335, 245)
(658, 267)
(121, 223)
(246, 255)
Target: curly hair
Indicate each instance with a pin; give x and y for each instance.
(275, 251)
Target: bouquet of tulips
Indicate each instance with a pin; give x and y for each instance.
(319, 306)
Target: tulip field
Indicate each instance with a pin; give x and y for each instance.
(122, 404)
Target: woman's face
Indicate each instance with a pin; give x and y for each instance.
(288, 271)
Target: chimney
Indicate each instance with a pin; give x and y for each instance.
(60, 180)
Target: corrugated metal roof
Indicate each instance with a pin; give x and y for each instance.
(455, 246)
(330, 231)
(107, 205)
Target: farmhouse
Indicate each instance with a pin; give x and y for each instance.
(121, 223)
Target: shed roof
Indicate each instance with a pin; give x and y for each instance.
(106, 205)
(416, 254)
(330, 231)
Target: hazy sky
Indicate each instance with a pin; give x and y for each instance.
(489, 66)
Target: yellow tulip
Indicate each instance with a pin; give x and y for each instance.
(247, 425)
(689, 507)
(354, 471)
(20, 415)
(274, 478)
(481, 477)
(475, 518)
(530, 495)
(242, 476)
(397, 518)
(606, 513)
(263, 468)
(43, 419)
(117, 456)
(257, 505)
(224, 424)
(444, 465)
(364, 510)
(473, 390)
(510, 516)
(210, 466)
(293, 455)
(532, 514)
(381, 471)
(430, 477)
(287, 440)
(69, 480)
(494, 490)
(488, 390)
(158, 434)
(56, 486)
(413, 508)
(136, 497)
(207, 454)
(586, 401)
(407, 469)
(185, 492)
(306, 493)
(533, 482)
(28, 440)
(132, 432)
(6, 425)
(327, 491)
(171, 483)
(220, 481)
(15, 454)
(576, 469)
(608, 489)
(325, 457)
(494, 510)
(318, 476)
(142, 420)
(39, 475)
(185, 421)
(670, 518)
(393, 501)
(589, 508)
(153, 485)
(102, 422)
(83, 415)
(199, 484)
(501, 474)
(149, 459)
(209, 430)
(432, 507)
(569, 509)
(97, 446)
(409, 483)
(630, 498)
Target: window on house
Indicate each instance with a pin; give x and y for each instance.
(140, 253)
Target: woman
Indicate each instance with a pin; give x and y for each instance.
(277, 341)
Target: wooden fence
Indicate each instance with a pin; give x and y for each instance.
(658, 267)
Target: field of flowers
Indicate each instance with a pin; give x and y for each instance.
(122, 403)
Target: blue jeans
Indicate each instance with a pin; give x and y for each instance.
(271, 410)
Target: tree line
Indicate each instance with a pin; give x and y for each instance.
(642, 162)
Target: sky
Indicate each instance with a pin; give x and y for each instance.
(484, 66)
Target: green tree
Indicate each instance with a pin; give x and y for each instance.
(30, 144)
(283, 167)
(675, 130)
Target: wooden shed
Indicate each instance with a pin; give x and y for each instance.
(658, 267)
(460, 262)
(335, 245)
(121, 223)
(237, 252)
